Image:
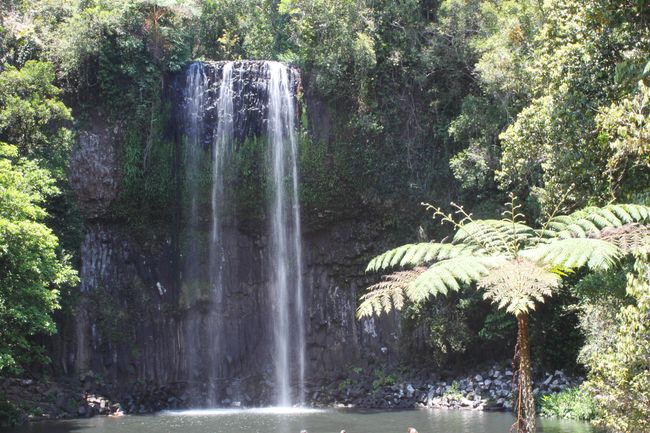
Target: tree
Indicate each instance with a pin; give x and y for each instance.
(32, 115)
(515, 265)
(586, 55)
(620, 375)
(33, 268)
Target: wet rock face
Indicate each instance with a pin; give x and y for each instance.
(94, 170)
(122, 290)
(250, 98)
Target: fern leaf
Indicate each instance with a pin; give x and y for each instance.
(450, 274)
(417, 254)
(629, 238)
(387, 294)
(575, 253)
(592, 219)
(493, 235)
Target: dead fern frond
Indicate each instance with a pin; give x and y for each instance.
(389, 293)
(629, 237)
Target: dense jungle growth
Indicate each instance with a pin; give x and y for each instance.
(401, 102)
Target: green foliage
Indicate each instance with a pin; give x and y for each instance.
(619, 376)
(250, 178)
(591, 220)
(327, 186)
(498, 326)
(240, 29)
(147, 167)
(553, 100)
(34, 270)
(498, 41)
(383, 380)
(10, 414)
(625, 125)
(600, 295)
(553, 148)
(331, 40)
(572, 403)
(440, 330)
(453, 392)
(595, 254)
(416, 254)
(32, 115)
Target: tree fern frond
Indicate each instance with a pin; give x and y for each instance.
(575, 253)
(493, 235)
(592, 219)
(629, 237)
(517, 285)
(450, 274)
(388, 293)
(417, 254)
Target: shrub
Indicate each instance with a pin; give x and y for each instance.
(572, 403)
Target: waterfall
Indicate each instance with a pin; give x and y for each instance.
(222, 144)
(194, 95)
(286, 250)
(225, 105)
(221, 152)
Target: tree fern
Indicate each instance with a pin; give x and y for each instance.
(450, 274)
(516, 266)
(630, 237)
(387, 294)
(421, 283)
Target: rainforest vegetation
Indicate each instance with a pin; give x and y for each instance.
(541, 105)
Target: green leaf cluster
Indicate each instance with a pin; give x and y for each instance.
(33, 268)
(32, 115)
(619, 376)
(573, 403)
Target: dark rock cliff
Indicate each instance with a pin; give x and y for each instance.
(138, 320)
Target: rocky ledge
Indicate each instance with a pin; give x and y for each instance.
(486, 389)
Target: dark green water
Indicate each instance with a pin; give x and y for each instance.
(328, 421)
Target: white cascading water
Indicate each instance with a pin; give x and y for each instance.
(286, 241)
(221, 155)
(195, 86)
(285, 244)
(194, 95)
(221, 150)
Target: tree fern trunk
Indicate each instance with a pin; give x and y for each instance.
(525, 401)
